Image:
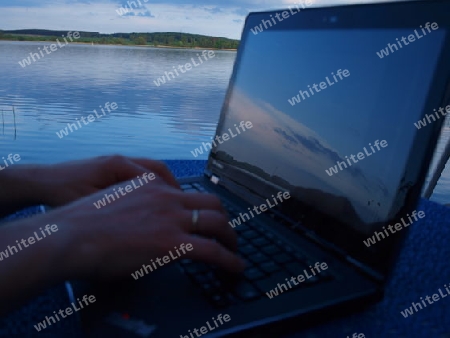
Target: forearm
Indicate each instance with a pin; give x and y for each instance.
(32, 257)
(19, 188)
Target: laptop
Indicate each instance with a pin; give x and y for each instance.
(321, 173)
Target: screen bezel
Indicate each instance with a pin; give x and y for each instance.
(382, 255)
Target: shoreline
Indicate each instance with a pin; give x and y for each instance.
(122, 45)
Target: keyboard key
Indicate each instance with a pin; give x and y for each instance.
(242, 228)
(186, 186)
(296, 268)
(258, 257)
(269, 235)
(253, 274)
(220, 301)
(204, 278)
(245, 291)
(232, 299)
(228, 279)
(242, 241)
(199, 187)
(280, 243)
(230, 208)
(269, 267)
(270, 249)
(190, 190)
(247, 249)
(250, 234)
(267, 284)
(301, 257)
(282, 258)
(313, 279)
(288, 249)
(210, 290)
(261, 241)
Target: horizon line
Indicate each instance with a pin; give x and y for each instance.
(81, 31)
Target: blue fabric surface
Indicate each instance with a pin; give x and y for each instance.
(423, 267)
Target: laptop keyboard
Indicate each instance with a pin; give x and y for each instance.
(269, 262)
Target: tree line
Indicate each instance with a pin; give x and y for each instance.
(147, 39)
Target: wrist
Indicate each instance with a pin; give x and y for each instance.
(63, 245)
(37, 249)
(79, 254)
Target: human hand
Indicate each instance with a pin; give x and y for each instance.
(63, 183)
(147, 223)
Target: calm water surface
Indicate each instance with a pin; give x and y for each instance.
(165, 122)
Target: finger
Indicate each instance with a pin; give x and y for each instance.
(120, 169)
(209, 251)
(159, 168)
(210, 224)
(202, 201)
(141, 175)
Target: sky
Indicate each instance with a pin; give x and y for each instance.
(206, 17)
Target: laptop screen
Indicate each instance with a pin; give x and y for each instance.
(333, 114)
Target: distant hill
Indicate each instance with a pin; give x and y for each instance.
(168, 39)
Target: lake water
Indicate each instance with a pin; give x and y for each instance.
(165, 122)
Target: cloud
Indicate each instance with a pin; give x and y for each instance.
(241, 11)
(214, 10)
(147, 14)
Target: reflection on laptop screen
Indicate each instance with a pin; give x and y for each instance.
(333, 120)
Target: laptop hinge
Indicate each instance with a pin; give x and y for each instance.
(360, 266)
(355, 263)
